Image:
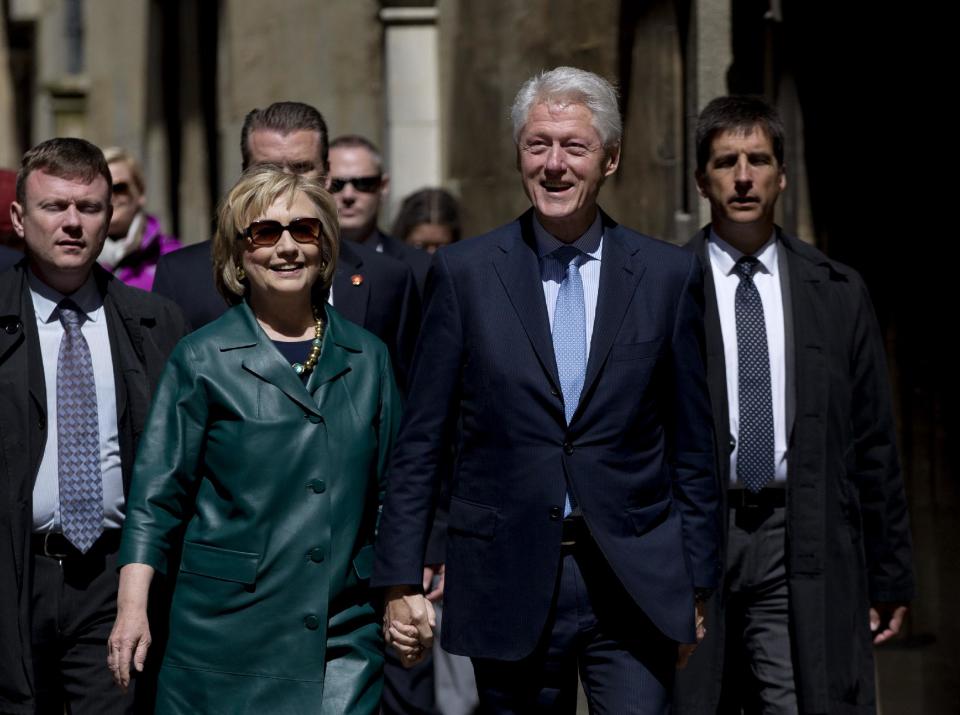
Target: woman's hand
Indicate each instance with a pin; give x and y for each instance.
(130, 638)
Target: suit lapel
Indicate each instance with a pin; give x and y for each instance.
(621, 269)
(716, 359)
(518, 268)
(261, 359)
(351, 290)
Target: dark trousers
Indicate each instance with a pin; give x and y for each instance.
(758, 669)
(73, 610)
(407, 691)
(625, 664)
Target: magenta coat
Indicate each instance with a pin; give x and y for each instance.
(137, 269)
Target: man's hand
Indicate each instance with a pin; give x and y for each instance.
(429, 571)
(685, 650)
(408, 622)
(886, 620)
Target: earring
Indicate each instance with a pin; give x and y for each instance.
(241, 274)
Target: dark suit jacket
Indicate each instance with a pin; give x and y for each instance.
(376, 292)
(143, 330)
(419, 261)
(638, 454)
(848, 537)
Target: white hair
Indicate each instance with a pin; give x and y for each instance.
(564, 85)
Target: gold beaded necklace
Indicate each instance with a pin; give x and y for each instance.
(304, 368)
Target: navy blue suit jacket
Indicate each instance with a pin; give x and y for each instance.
(638, 453)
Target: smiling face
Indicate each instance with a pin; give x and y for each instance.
(742, 181)
(563, 163)
(287, 269)
(64, 223)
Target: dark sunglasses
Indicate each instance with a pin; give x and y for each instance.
(267, 233)
(121, 188)
(363, 184)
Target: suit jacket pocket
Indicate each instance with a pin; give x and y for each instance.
(472, 519)
(645, 518)
(635, 351)
(223, 564)
(363, 562)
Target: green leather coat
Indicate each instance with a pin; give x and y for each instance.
(273, 490)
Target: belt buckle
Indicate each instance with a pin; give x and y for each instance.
(46, 547)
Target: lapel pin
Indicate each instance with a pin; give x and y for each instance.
(356, 279)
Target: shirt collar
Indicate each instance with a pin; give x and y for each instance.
(590, 243)
(46, 299)
(725, 256)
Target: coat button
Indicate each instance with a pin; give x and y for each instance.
(314, 419)
(11, 326)
(316, 555)
(732, 443)
(555, 392)
(318, 485)
(311, 622)
(555, 513)
(567, 448)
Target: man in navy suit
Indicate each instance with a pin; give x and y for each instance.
(564, 353)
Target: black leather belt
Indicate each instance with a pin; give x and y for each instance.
(57, 546)
(574, 531)
(770, 498)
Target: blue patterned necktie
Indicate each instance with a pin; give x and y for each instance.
(78, 435)
(570, 337)
(755, 461)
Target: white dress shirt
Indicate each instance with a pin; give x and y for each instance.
(723, 260)
(552, 271)
(46, 491)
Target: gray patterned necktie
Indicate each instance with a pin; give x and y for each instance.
(755, 460)
(78, 435)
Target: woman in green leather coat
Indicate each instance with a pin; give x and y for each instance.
(262, 460)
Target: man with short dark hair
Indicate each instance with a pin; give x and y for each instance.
(817, 536)
(376, 292)
(359, 184)
(560, 356)
(80, 355)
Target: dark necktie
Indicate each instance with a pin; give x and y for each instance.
(78, 435)
(755, 461)
(570, 336)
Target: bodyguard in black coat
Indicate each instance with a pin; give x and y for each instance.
(43, 576)
(818, 561)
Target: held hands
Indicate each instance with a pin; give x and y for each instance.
(685, 650)
(408, 622)
(886, 620)
(438, 570)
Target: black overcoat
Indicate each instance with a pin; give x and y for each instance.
(848, 535)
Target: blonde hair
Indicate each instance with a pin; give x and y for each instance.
(115, 154)
(257, 189)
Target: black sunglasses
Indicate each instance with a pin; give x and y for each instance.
(121, 188)
(364, 184)
(267, 233)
